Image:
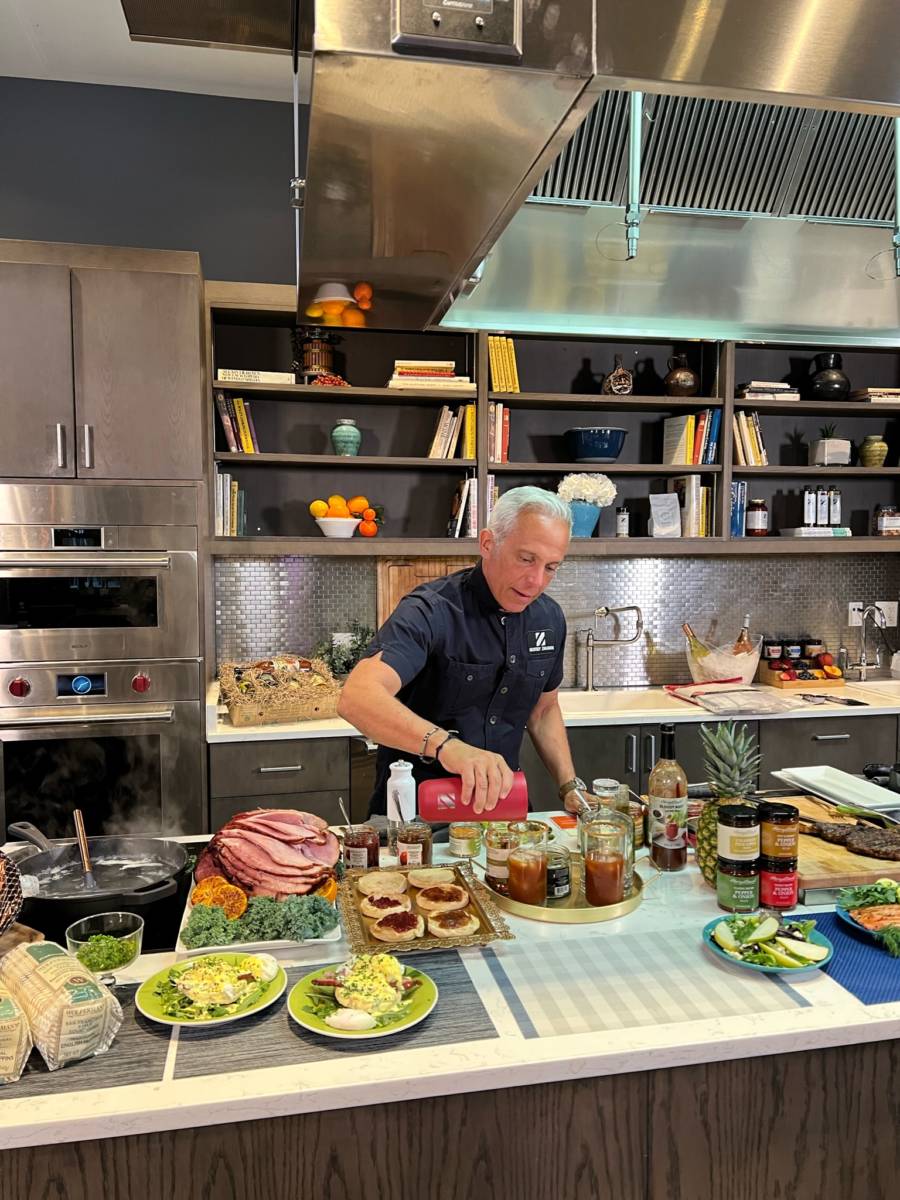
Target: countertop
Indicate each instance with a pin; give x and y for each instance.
(635, 972)
(606, 706)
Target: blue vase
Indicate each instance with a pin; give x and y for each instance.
(584, 518)
(345, 437)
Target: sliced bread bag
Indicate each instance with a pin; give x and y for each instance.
(70, 1014)
(15, 1038)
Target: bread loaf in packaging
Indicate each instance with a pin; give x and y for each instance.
(70, 1015)
(15, 1038)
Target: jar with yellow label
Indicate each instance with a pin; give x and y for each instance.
(779, 830)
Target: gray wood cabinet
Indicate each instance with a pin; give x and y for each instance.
(308, 774)
(36, 386)
(599, 751)
(137, 355)
(847, 743)
(688, 748)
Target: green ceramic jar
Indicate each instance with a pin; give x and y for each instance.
(873, 450)
(345, 437)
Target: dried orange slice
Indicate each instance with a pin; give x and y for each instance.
(328, 891)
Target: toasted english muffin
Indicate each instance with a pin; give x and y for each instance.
(442, 897)
(399, 927)
(458, 922)
(380, 906)
(382, 883)
(423, 877)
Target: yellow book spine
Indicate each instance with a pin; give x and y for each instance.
(754, 441)
(469, 432)
(232, 509)
(507, 365)
(243, 426)
(494, 358)
(514, 366)
(689, 438)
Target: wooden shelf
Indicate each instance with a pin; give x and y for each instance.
(375, 395)
(341, 460)
(824, 408)
(830, 472)
(227, 547)
(609, 468)
(595, 400)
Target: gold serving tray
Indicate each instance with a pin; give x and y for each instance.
(574, 909)
(482, 903)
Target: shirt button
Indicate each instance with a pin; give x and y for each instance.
(543, 673)
(469, 678)
(512, 658)
(493, 720)
(503, 691)
(503, 620)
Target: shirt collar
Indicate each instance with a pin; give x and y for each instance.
(485, 597)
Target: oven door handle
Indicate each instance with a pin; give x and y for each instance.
(64, 560)
(100, 718)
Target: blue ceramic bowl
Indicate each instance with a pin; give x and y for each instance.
(597, 444)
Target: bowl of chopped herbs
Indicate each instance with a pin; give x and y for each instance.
(106, 942)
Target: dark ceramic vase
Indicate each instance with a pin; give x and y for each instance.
(829, 382)
(681, 380)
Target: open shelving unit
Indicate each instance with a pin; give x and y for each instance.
(249, 328)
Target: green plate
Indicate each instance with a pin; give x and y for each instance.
(147, 1002)
(423, 1001)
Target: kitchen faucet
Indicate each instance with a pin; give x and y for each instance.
(877, 615)
(593, 640)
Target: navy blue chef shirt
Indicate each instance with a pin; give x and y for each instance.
(467, 665)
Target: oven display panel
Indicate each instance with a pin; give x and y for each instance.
(81, 685)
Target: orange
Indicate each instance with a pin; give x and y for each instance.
(334, 308)
(365, 305)
(315, 310)
(353, 317)
(318, 508)
(368, 528)
(363, 291)
(338, 500)
(328, 890)
(368, 514)
(358, 506)
(335, 510)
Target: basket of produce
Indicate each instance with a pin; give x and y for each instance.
(274, 690)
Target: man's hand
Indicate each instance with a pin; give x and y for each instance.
(485, 776)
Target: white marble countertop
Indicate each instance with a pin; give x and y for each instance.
(606, 706)
(678, 905)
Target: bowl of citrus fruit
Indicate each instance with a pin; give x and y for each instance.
(340, 518)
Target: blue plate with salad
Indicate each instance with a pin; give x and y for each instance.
(873, 909)
(772, 945)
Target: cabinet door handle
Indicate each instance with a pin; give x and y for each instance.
(831, 737)
(649, 751)
(279, 770)
(631, 752)
(60, 445)
(88, 447)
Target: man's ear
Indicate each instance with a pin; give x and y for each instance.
(486, 542)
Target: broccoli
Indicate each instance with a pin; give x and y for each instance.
(208, 926)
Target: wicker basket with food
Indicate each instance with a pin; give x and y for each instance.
(274, 690)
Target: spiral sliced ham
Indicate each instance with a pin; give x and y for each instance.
(275, 852)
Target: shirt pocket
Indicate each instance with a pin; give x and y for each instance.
(537, 672)
(468, 685)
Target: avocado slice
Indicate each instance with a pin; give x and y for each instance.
(807, 950)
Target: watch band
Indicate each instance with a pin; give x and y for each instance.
(570, 786)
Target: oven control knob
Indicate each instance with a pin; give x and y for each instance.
(140, 683)
(19, 687)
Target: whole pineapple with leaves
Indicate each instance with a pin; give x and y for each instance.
(731, 761)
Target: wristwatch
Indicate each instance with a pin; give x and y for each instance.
(572, 785)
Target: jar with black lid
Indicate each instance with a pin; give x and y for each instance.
(737, 886)
(738, 832)
(779, 827)
(778, 882)
(559, 873)
(772, 647)
(812, 646)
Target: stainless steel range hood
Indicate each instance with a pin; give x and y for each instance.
(431, 123)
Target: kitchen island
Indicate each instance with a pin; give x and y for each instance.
(619, 1058)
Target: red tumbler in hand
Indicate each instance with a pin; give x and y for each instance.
(439, 801)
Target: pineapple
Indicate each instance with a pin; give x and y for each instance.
(731, 764)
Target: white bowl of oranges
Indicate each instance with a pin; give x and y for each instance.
(340, 518)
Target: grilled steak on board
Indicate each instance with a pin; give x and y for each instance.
(876, 843)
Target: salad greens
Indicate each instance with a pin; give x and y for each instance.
(103, 952)
(765, 941)
(296, 919)
(866, 895)
(210, 987)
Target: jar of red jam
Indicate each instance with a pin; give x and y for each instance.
(361, 846)
(778, 882)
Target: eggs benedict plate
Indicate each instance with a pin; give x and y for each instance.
(369, 996)
(211, 990)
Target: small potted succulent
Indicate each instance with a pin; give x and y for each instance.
(586, 494)
(828, 450)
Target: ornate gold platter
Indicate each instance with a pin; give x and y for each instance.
(574, 909)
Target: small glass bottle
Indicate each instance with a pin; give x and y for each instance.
(821, 504)
(757, 518)
(667, 797)
(809, 506)
(559, 873)
(499, 841)
(623, 522)
(834, 505)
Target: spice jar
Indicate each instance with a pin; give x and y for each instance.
(361, 846)
(559, 873)
(778, 882)
(738, 833)
(414, 844)
(757, 519)
(737, 886)
(465, 839)
(498, 842)
(779, 830)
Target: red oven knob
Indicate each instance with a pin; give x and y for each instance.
(140, 683)
(19, 687)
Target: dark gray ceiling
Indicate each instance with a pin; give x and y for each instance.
(730, 156)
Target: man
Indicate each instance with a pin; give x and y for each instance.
(465, 664)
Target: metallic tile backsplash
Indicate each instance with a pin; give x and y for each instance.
(264, 605)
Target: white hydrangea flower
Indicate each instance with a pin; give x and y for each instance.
(595, 489)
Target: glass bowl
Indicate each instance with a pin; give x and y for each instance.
(125, 927)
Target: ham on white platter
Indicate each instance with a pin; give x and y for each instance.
(275, 852)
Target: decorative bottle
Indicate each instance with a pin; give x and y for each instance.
(346, 437)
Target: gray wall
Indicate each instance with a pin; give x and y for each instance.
(165, 170)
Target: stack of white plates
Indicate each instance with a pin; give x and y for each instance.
(840, 787)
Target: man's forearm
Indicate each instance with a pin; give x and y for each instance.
(386, 720)
(548, 732)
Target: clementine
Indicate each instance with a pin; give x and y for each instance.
(368, 528)
(363, 291)
(368, 514)
(353, 317)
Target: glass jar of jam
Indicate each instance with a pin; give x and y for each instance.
(812, 646)
(737, 886)
(778, 882)
(779, 827)
(498, 842)
(738, 833)
(559, 873)
(414, 844)
(361, 846)
(757, 519)
(465, 839)
(793, 647)
(772, 648)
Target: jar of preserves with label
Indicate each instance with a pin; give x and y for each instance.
(778, 883)
(414, 844)
(772, 648)
(737, 886)
(498, 842)
(779, 830)
(465, 839)
(360, 846)
(738, 833)
(757, 519)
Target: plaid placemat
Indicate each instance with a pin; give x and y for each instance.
(596, 984)
(859, 965)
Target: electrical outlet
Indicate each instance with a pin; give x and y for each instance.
(854, 613)
(889, 608)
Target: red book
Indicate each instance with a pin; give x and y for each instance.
(504, 451)
(698, 435)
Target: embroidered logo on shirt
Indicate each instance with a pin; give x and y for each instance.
(540, 641)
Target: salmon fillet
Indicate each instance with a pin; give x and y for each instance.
(877, 916)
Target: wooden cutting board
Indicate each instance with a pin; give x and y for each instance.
(823, 865)
(398, 576)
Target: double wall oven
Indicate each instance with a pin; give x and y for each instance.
(100, 674)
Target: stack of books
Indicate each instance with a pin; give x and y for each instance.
(502, 359)
(738, 508)
(749, 447)
(696, 501)
(767, 389)
(231, 513)
(237, 423)
(877, 395)
(498, 432)
(454, 433)
(226, 375)
(692, 438)
(464, 508)
(417, 374)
